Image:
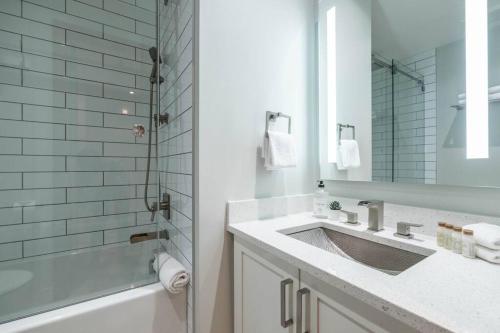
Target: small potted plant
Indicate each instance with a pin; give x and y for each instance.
(335, 208)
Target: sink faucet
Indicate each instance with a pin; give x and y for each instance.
(375, 214)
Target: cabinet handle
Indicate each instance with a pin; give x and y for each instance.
(300, 294)
(285, 322)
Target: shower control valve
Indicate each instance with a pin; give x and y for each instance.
(139, 130)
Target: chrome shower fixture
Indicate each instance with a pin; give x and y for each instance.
(153, 53)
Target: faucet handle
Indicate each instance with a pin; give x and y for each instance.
(352, 217)
(403, 229)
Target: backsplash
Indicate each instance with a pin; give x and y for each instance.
(175, 139)
(428, 217)
(254, 209)
(74, 78)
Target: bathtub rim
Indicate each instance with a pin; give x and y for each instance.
(65, 312)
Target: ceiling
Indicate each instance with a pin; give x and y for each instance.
(403, 28)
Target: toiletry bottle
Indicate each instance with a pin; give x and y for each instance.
(448, 241)
(320, 202)
(468, 244)
(457, 239)
(440, 233)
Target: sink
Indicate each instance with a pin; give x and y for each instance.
(369, 252)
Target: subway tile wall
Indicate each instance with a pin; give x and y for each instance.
(175, 139)
(415, 123)
(73, 81)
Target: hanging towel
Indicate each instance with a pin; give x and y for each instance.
(173, 276)
(487, 235)
(488, 254)
(278, 151)
(348, 155)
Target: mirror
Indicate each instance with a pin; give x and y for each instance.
(409, 91)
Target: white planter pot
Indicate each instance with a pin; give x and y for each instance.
(334, 215)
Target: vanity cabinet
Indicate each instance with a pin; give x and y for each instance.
(264, 293)
(329, 316)
(272, 296)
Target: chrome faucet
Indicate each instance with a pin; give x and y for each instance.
(375, 214)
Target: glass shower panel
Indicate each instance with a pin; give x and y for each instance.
(399, 130)
(382, 116)
(409, 124)
(74, 82)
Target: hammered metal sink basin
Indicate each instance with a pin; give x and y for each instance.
(388, 259)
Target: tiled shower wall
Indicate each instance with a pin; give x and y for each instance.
(415, 127)
(73, 81)
(175, 139)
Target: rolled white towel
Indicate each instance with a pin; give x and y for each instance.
(488, 254)
(173, 276)
(487, 235)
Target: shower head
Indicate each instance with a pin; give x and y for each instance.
(153, 53)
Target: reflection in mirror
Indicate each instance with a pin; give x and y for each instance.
(418, 83)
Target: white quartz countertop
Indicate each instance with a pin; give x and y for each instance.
(444, 292)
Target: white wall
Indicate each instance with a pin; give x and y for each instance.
(473, 200)
(253, 56)
(453, 167)
(354, 93)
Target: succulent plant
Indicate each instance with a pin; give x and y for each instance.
(335, 205)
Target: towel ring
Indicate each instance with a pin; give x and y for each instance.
(273, 116)
(341, 126)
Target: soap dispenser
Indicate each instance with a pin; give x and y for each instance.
(320, 202)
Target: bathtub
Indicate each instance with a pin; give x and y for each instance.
(135, 302)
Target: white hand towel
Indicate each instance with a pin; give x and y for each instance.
(348, 155)
(173, 276)
(488, 254)
(487, 235)
(278, 150)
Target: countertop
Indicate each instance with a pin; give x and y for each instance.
(445, 292)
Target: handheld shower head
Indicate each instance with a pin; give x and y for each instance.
(153, 53)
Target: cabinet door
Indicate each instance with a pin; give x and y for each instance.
(258, 289)
(328, 316)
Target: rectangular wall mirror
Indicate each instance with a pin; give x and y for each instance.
(409, 91)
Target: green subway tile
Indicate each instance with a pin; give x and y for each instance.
(19, 232)
(30, 96)
(9, 146)
(62, 20)
(61, 51)
(63, 243)
(15, 163)
(58, 147)
(27, 129)
(11, 215)
(31, 28)
(60, 115)
(100, 193)
(61, 179)
(61, 211)
(11, 251)
(61, 83)
(99, 15)
(77, 226)
(82, 102)
(100, 164)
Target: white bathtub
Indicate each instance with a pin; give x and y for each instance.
(55, 281)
